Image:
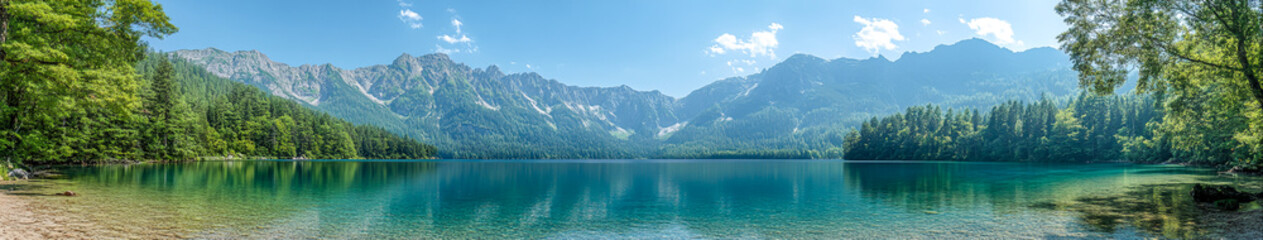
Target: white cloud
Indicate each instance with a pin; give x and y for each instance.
(457, 23)
(411, 18)
(739, 61)
(940, 32)
(877, 34)
(454, 40)
(408, 14)
(404, 4)
(1000, 29)
(927, 10)
(719, 50)
(925, 21)
(776, 26)
(760, 43)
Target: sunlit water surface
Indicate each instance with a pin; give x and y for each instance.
(731, 199)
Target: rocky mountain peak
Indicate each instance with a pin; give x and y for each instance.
(405, 57)
(433, 98)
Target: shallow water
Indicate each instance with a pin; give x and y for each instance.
(732, 199)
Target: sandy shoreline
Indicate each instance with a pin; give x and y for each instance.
(19, 221)
(23, 218)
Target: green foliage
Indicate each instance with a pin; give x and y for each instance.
(1203, 59)
(68, 89)
(1137, 128)
(165, 121)
(1088, 128)
(1107, 39)
(73, 92)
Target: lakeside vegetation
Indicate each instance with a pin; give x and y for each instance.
(1196, 65)
(1088, 128)
(1130, 128)
(80, 86)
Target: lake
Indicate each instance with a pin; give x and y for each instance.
(711, 199)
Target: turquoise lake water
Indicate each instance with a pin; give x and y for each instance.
(680, 199)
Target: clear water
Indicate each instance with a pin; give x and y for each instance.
(709, 199)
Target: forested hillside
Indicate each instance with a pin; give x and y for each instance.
(1130, 128)
(1088, 128)
(211, 116)
(184, 113)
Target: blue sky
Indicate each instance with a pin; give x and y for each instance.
(672, 46)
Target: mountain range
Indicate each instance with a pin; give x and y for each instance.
(801, 107)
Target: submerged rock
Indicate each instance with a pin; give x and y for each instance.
(1223, 197)
(1228, 204)
(45, 174)
(68, 194)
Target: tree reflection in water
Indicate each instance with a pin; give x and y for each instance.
(640, 199)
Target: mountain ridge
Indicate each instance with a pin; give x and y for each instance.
(431, 97)
(495, 67)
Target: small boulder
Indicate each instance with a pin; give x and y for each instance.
(68, 194)
(19, 174)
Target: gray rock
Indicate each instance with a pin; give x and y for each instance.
(19, 173)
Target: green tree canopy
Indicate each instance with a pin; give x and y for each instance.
(1202, 58)
(1107, 39)
(68, 65)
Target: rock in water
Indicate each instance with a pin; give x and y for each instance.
(68, 194)
(19, 173)
(1213, 194)
(1228, 204)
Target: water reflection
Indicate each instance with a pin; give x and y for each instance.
(643, 199)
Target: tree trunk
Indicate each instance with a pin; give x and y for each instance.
(4, 25)
(1254, 87)
(1251, 75)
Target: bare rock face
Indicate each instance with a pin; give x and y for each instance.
(254, 68)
